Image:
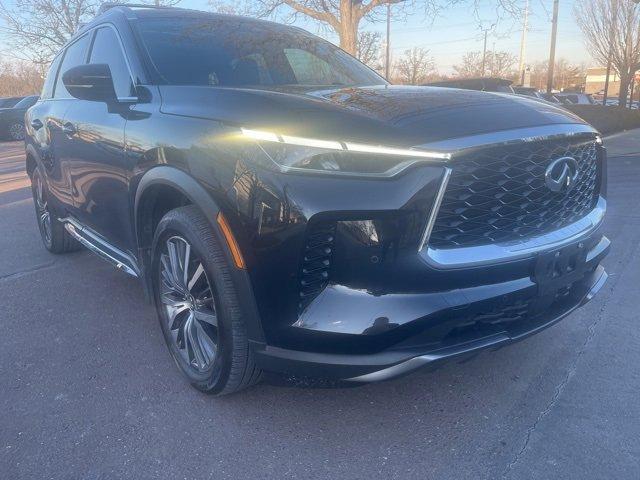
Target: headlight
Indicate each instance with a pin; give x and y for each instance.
(289, 153)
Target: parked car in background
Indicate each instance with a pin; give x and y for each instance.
(551, 97)
(527, 91)
(533, 93)
(8, 102)
(12, 119)
(488, 84)
(575, 98)
(599, 100)
(289, 210)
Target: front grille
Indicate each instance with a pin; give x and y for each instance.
(316, 262)
(499, 194)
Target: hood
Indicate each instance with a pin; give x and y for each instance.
(393, 115)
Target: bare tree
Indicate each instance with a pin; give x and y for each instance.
(611, 29)
(471, 65)
(415, 67)
(368, 48)
(344, 16)
(566, 75)
(497, 64)
(20, 78)
(36, 29)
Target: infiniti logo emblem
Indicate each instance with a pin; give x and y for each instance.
(561, 174)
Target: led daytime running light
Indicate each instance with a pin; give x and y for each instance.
(346, 146)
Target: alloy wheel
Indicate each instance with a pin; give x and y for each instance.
(44, 216)
(16, 131)
(187, 298)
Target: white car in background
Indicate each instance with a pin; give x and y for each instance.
(575, 98)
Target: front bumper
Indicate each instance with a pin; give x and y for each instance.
(474, 321)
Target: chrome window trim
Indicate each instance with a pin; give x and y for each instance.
(464, 257)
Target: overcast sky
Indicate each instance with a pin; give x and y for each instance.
(456, 31)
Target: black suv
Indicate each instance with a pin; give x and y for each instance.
(290, 211)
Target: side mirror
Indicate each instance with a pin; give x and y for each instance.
(90, 82)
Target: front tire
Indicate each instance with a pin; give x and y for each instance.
(198, 305)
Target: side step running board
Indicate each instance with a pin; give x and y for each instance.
(100, 247)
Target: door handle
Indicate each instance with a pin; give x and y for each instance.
(69, 129)
(36, 124)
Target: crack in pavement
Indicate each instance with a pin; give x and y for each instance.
(574, 366)
(21, 273)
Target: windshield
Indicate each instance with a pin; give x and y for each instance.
(240, 53)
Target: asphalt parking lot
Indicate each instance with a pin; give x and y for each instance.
(90, 392)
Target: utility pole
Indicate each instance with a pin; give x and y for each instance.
(552, 51)
(387, 64)
(484, 49)
(523, 42)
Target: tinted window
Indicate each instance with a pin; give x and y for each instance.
(47, 88)
(230, 52)
(106, 49)
(75, 55)
(27, 102)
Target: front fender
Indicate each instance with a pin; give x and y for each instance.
(198, 196)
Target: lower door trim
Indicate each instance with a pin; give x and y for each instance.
(92, 241)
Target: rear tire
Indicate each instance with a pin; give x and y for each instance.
(198, 306)
(52, 232)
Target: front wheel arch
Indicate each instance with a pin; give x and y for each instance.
(190, 192)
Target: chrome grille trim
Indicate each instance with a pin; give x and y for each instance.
(450, 258)
(504, 252)
(499, 194)
(435, 208)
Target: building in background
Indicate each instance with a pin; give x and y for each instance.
(596, 78)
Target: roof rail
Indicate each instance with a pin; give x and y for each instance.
(108, 6)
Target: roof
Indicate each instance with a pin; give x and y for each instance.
(131, 11)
